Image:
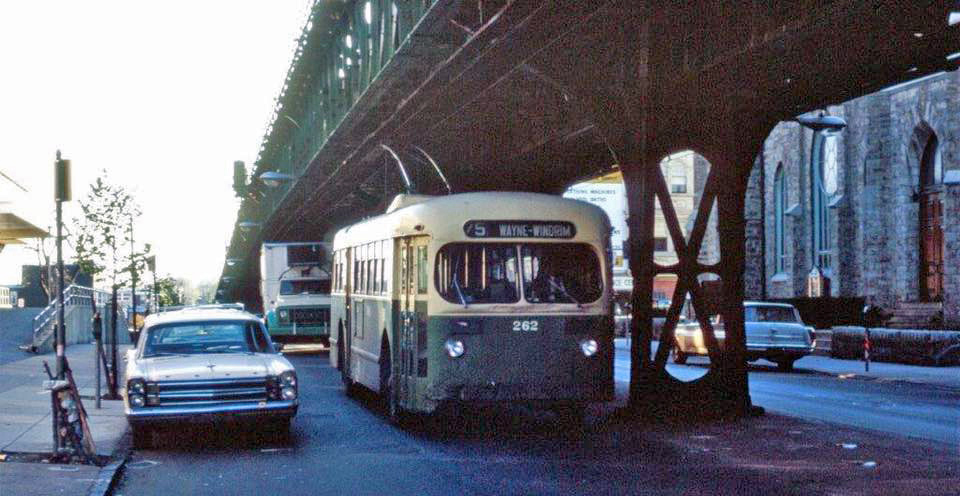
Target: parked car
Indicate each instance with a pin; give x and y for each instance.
(207, 364)
(774, 332)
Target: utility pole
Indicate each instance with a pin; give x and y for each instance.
(152, 265)
(61, 194)
(133, 281)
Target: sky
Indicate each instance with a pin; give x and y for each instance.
(163, 96)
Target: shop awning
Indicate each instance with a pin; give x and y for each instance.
(13, 228)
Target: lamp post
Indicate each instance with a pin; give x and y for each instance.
(822, 127)
(133, 283)
(152, 265)
(62, 193)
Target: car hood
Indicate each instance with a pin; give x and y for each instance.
(211, 366)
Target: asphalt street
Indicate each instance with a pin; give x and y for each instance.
(342, 445)
(918, 410)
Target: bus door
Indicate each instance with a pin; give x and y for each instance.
(348, 279)
(411, 349)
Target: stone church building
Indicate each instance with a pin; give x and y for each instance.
(876, 206)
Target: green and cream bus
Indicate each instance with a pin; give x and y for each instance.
(475, 298)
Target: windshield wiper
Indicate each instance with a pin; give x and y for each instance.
(456, 286)
(165, 354)
(563, 291)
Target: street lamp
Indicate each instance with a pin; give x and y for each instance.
(247, 225)
(273, 179)
(822, 126)
(233, 261)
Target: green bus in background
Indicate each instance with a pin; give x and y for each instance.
(476, 298)
(295, 287)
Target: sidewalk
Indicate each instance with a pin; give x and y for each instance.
(854, 369)
(25, 425)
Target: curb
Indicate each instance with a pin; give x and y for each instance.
(108, 477)
(111, 472)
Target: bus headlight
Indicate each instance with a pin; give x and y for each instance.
(454, 348)
(589, 347)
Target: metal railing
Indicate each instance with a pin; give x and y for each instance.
(74, 297)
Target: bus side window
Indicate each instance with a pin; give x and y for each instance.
(403, 269)
(356, 275)
(422, 269)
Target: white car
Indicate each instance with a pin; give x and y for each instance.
(774, 332)
(207, 364)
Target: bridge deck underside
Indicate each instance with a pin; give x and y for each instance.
(534, 95)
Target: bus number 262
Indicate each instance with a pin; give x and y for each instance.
(525, 325)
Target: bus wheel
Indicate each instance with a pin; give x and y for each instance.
(349, 386)
(387, 391)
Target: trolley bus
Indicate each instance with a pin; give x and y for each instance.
(476, 298)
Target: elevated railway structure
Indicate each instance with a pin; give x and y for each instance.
(535, 95)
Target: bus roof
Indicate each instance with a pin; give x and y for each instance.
(443, 217)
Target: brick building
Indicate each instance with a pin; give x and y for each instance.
(885, 226)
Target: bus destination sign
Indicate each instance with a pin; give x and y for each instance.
(519, 229)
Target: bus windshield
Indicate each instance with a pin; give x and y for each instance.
(471, 273)
(477, 273)
(308, 286)
(560, 273)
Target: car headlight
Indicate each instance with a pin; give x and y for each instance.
(137, 400)
(454, 348)
(589, 347)
(288, 378)
(289, 393)
(136, 386)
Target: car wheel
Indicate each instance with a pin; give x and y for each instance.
(679, 356)
(785, 364)
(142, 437)
(572, 415)
(281, 430)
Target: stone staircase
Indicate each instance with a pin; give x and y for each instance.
(917, 315)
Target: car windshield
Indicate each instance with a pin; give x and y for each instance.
(309, 286)
(769, 314)
(190, 338)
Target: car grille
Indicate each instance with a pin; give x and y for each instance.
(309, 316)
(206, 392)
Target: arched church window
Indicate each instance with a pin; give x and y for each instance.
(780, 208)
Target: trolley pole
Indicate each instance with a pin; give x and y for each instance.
(61, 194)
